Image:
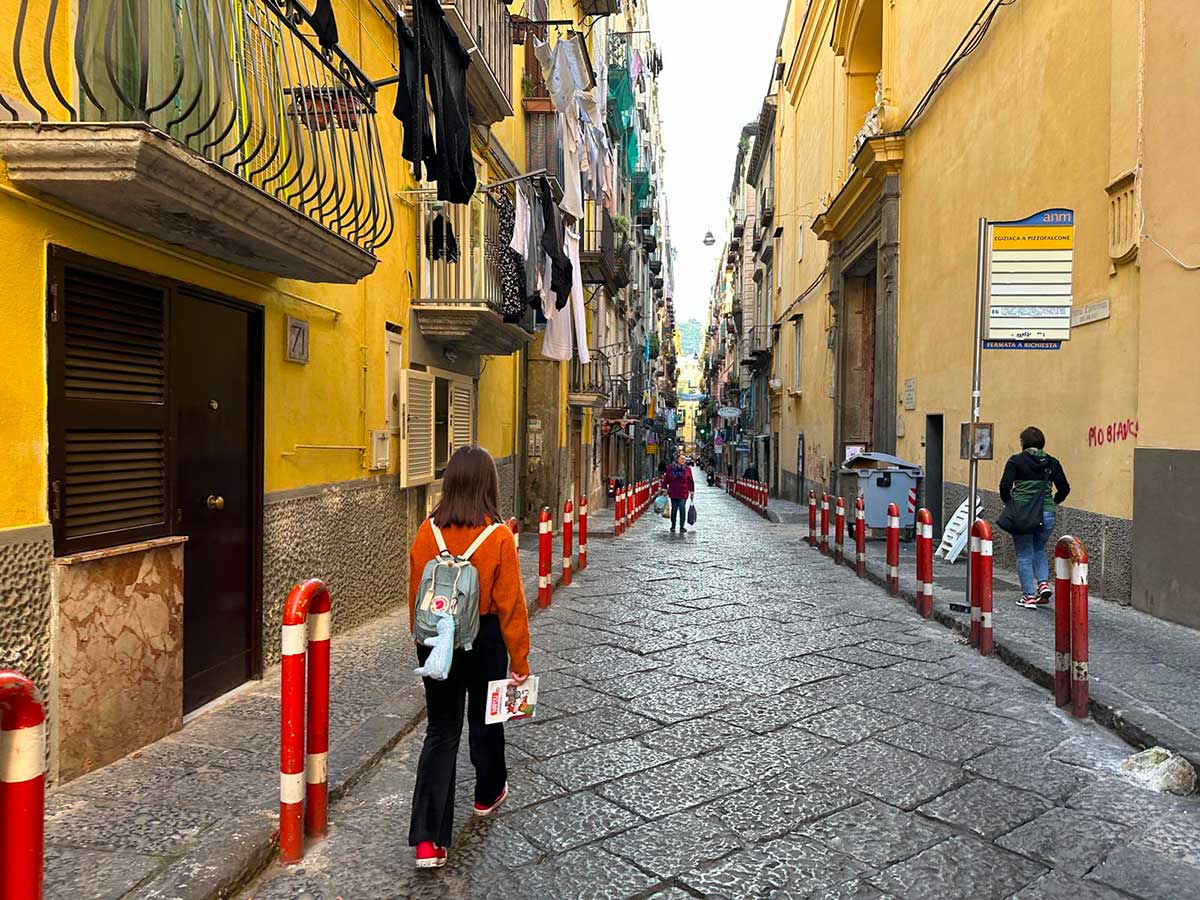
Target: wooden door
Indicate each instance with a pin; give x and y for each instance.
(214, 380)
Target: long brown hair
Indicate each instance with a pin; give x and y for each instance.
(470, 490)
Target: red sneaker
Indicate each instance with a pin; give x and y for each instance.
(482, 810)
(430, 855)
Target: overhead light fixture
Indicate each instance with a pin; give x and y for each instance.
(709, 240)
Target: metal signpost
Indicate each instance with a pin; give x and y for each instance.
(1023, 284)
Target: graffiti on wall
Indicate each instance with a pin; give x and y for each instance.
(1113, 433)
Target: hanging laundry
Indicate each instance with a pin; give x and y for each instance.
(520, 237)
(578, 310)
(440, 243)
(534, 257)
(567, 75)
(635, 67)
(410, 106)
(556, 343)
(560, 269)
(445, 156)
(324, 24)
(509, 263)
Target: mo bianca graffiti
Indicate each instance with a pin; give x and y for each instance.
(1114, 433)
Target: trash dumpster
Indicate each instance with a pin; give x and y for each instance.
(882, 479)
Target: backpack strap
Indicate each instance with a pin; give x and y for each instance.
(437, 536)
(478, 542)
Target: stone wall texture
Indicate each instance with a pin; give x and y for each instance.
(354, 536)
(119, 656)
(25, 603)
(1108, 539)
(506, 468)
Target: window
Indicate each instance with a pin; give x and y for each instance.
(798, 352)
(778, 268)
(437, 417)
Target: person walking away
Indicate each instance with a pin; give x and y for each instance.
(677, 482)
(468, 506)
(1028, 477)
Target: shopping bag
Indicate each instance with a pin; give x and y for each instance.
(660, 503)
(666, 513)
(692, 514)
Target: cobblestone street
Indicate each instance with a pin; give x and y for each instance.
(725, 714)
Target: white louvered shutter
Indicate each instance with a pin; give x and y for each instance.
(462, 414)
(393, 391)
(416, 438)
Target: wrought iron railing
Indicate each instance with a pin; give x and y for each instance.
(491, 29)
(243, 83)
(593, 377)
(467, 268)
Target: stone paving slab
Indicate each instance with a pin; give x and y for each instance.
(906, 767)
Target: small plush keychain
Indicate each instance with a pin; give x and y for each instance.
(437, 664)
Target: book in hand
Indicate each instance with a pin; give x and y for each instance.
(506, 700)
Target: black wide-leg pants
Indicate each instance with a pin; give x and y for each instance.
(470, 672)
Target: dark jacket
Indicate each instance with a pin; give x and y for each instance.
(1024, 473)
(677, 482)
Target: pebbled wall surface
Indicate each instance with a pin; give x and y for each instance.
(25, 556)
(352, 535)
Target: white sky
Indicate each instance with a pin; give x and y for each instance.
(716, 69)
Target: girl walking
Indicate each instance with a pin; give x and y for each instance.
(469, 504)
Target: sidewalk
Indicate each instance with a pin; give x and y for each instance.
(1143, 670)
(194, 815)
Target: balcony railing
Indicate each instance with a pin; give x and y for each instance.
(484, 27)
(237, 83)
(459, 297)
(597, 248)
(766, 205)
(590, 382)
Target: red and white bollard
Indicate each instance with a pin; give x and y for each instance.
(618, 511)
(546, 551)
(1071, 625)
(825, 524)
(812, 519)
(981, 587)
(893, 550)
(22, 787)
(303, 764)
(860, 537)
(515, 527)
(583, 514)
(568, 525)
(924, 563)
(839, 531)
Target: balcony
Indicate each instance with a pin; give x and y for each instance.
(597, 246)
(590, 384)
(484, 28)
(756, 345)
(766, 206)
(217, 126)
(458, 301)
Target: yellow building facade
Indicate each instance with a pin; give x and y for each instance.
(189, 428)
(891, 143)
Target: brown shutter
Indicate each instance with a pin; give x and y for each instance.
(108, 409)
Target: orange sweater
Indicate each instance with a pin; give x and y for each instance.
(501, 590)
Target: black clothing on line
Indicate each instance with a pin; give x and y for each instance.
(324, 24)
(1027, 467)
(440, 242)
(470, 672)
(553, 243)
(445, 156)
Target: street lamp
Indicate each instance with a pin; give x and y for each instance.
(709, 240)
